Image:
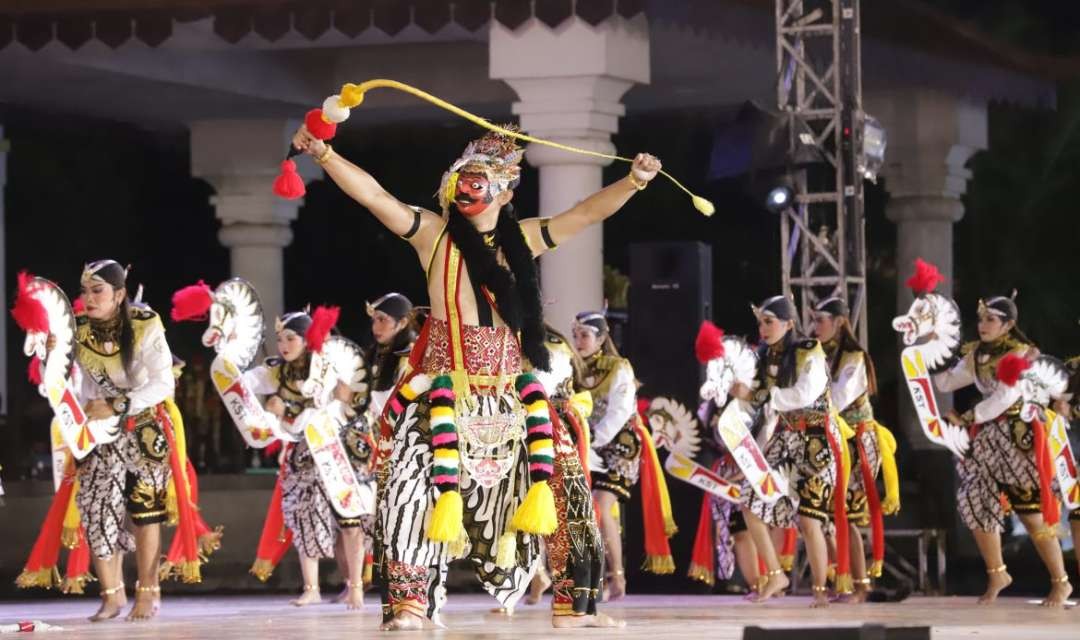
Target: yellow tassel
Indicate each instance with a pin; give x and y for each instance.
(506, 552)
(830, 573)
(446, 518)
(69, 535)
(537, 513)
(171, 509)
(701, 574)
(262, 569)
(456, 549)
(582, 403)
(670, 528)
(659, 565)
(352, 95)
(190, 572)
(786, 563)
(844, 584)
(211, 542)
(847, 433)
(889, 473)
(46, 578)
(69, 538)
(875, 569)
(76, 586)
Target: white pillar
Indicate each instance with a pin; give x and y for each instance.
(570, 81)
(240, 159)
(4, 146)
(932, 136)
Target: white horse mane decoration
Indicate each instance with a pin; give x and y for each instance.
(58, 368)
(236, 322)
(931, 331)
(562, 368)
(339, 360)
(737, 364)
(932, 323)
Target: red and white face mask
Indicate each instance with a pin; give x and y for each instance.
(472, 194)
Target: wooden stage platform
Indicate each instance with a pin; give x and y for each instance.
(648, 617)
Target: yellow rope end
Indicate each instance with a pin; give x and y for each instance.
(703, 205)
(351, 95)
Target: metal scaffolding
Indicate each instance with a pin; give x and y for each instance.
(819, 93)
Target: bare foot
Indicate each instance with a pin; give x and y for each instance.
(146, 604)
(996, 581)
(403, 621)
(1059, 593)
(354, 599)
(821, 598)
(111, 605)
(598, 621)
(775, 585)
(311, 595)
(858, 596)
(540, 584)
(616, 587)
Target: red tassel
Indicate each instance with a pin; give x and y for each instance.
(289, 184)
(319, 127)
(34, 372)
(710, 342)
(925, 279)
(192, 302)
(28, 311)
(322, 321)
(1044, 463)
(1011, 367)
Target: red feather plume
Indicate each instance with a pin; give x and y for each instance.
(925, 279)
(28, 311)
(1011, 367)
(322, 321)
(192, 302)
(710, 342)
(34, 372)
(78, 306)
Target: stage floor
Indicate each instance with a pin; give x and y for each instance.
(652, 617)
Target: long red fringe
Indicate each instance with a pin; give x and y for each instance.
(45, 554)
(275, 539)
(843, 557)
(1050, 508)
(877, 521)
(703, 555)
(184, 553)
(657, 549)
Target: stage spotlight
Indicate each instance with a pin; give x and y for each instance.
(779, 198)
(873, 148)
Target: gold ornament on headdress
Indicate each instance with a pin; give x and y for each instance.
(494, 155)
(336, 109)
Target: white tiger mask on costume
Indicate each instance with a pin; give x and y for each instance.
(59, 360)
(933, 324)
(236, 322)
(339, 360)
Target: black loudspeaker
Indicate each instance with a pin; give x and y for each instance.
(670, 295)
(865, 632)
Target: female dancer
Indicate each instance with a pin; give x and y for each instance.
(1002, 457)
(853, 383)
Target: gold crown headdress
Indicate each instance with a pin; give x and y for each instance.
(495, 155)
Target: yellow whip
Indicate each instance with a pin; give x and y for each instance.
(353, 94)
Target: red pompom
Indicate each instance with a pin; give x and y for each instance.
(925, 279)
(28, 311)
(192, 302)
(34, 372)
(319, 127)
(289, 184)
(78, 307)
(710, 342)
(322, 321)
(1011, 367)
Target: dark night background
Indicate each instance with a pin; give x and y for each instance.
(81, 189)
